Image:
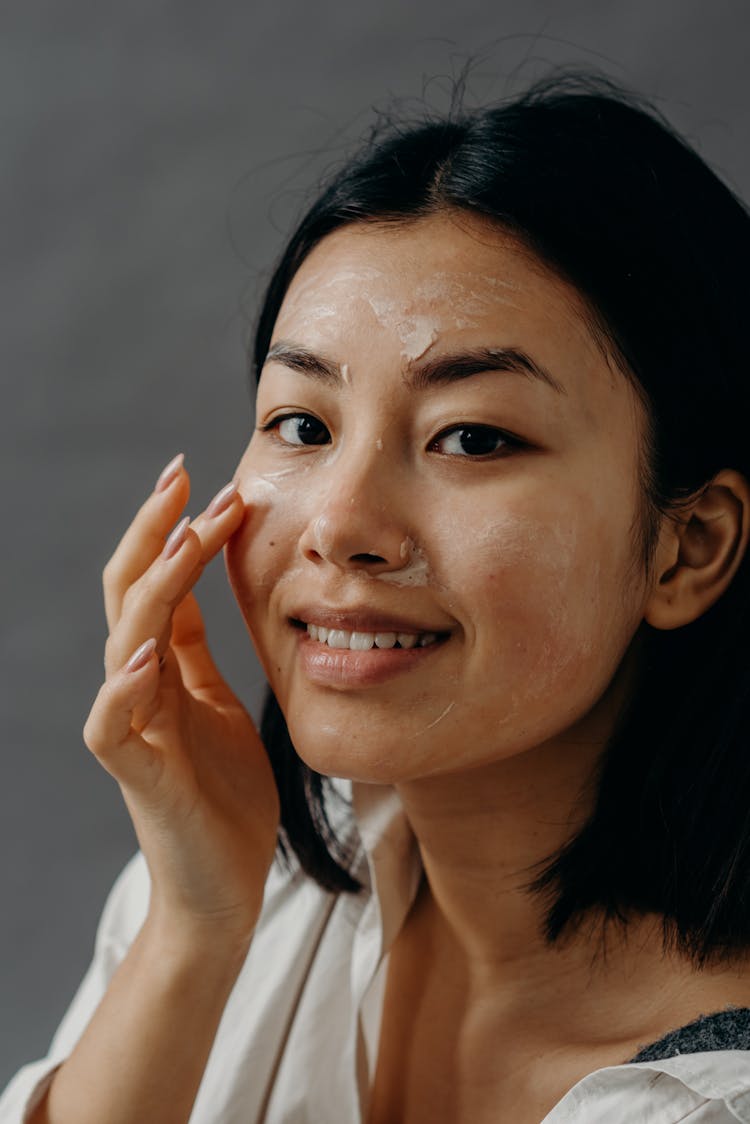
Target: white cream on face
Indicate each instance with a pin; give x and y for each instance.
(415, 570)
(417, 332)
(445, 302)
(264, 489)
(518, 562)
(324, 535)
(280, 490)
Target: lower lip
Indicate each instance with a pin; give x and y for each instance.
(342, 667)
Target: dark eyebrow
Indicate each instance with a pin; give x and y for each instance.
(306, 362)
(444, 369)
(440, 371)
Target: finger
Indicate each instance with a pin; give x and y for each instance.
(198, 671)
(109, 732)
(148, 606)
(224, 511)
(144, 538)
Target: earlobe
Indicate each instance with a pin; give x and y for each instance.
(700, 553)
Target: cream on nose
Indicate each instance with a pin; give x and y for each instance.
(323, 535)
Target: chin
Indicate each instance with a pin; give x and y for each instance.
(335, 752)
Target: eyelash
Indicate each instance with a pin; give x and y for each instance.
(509, 441)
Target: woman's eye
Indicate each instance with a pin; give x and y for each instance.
(300, 429)
(471, 441)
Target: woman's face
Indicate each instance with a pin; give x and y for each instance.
(443, 454)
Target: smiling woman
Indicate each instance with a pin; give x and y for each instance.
(489, 538)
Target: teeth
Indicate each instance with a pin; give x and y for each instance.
(361, 641)
(364, 641)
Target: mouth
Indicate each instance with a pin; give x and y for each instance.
(362, 641)
(342, 658)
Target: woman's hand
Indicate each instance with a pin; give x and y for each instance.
(192, 769)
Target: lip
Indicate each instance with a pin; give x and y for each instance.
(343, 668)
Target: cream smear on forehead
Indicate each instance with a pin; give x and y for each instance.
(445, 301)
(417, 333)
(308, 297)
(465, 297)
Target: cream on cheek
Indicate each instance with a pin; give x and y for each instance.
(293, 511)
(275, 507)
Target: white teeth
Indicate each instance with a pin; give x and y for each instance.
(407, 639)
(338, 639)
(364, 641)
(361, 641)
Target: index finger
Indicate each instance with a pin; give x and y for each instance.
(144, 539)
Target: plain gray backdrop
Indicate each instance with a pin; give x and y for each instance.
(153, 156)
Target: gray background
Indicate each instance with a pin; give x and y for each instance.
(153, 155)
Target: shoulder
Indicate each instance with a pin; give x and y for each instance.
(710, 1087)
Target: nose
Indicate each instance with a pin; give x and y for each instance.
(356, 524)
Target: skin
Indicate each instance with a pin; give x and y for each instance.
(523, 566)
(528, 599)
(530, 572)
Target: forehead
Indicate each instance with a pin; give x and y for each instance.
(401, 292)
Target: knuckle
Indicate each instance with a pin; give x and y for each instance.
(110, 652)
(92, 736)
(111, 573)
(96, 733)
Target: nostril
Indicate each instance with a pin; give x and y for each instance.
(368, 559)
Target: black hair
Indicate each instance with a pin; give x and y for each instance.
(599, 187)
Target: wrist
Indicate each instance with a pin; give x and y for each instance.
(185, 942)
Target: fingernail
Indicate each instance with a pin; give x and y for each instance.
(169, 473)
(221, 500)
(141, 656)
(176, 539)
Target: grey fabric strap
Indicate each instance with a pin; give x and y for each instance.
(723, 1030)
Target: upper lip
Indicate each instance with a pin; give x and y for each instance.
(364, 619)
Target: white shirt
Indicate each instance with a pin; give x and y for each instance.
(296, 1043)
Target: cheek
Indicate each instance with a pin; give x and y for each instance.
(549, 600)
(260, 552)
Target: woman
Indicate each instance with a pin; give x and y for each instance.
(490, 541)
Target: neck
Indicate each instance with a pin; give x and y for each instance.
(483, 836)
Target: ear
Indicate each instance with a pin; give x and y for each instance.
(699, 554)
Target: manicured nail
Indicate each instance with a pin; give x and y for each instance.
(141, 656)
(169, 473)
(221, 500)
(176, 539)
